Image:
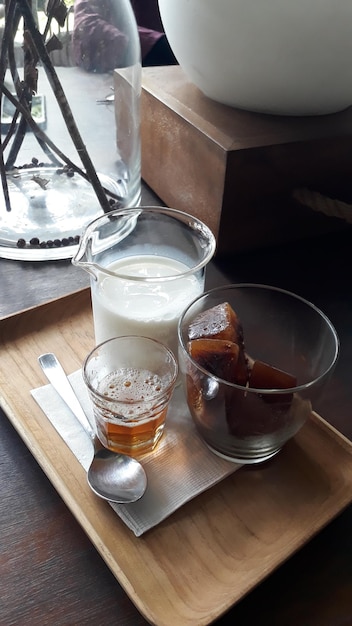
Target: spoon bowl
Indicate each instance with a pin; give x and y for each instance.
(111, 476)
(110, 471)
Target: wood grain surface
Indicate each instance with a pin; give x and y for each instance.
(225, 541)
(237, 170)
(51, 572)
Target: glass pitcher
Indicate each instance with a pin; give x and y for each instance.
(146, 265)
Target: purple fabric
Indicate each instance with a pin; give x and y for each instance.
(98, 41)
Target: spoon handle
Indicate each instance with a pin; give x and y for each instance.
(54, 372)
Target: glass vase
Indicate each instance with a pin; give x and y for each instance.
(70, 122)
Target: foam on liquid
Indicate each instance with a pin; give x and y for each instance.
(129, 385)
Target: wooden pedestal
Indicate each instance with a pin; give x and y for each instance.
(237, 170)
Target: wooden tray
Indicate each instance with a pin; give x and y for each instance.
(209, 554)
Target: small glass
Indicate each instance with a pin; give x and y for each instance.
(241, 422)
(130, 381)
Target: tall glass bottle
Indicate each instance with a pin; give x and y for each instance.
(70, 124)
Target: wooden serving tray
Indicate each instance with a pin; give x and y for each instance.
(205, 557)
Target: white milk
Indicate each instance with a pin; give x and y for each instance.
(127, 307)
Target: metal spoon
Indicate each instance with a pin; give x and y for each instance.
(114, 477)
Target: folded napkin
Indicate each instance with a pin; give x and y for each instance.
(180, 468)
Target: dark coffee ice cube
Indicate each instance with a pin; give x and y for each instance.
(217, 356)
(265, 376)
(221, 322)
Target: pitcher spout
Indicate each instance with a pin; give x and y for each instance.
(103, 241)
(83, 257)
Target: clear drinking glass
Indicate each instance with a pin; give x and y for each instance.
(246, 422)
(130, 381)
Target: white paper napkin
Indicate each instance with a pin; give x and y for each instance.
(180, 468)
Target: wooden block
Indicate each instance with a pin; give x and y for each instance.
(237, 170)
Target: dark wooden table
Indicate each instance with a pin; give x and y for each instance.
(51, 573)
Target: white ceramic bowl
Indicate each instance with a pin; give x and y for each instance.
(289, 57)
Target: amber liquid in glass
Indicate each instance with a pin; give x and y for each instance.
(131, 419)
